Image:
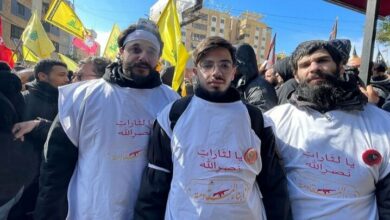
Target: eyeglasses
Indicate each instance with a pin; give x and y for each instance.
(209, 67)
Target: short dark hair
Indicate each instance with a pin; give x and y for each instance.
(379, 67)
(99, 64)
(46, 65)
(211, 43)
(122, 36)
(4, 66)
(309, 47)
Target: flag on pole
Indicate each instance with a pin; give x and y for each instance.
(112, 48)
(271, 57)
(379, 57)
(35, 38)
(89, 46)
(62, 15)
(28, 55)
(72, 65)
(333, 33)
(174, 51)
(6, 54)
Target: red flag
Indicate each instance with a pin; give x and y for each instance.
(88, 45)
(5, 53)
(271, 57)
(333, 33)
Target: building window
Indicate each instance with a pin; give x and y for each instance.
(262, 47)
(221, 31)
(183, 33)
(1, 5)
(256, 37)
(199, 26)
(57, 46)
(197, 37)
(257, 28)
(212, 29)
(204, 17)
(51, 29)
(214, 19)
(222, 21)
(247, 35)
(262, 56)
(16, 31)
(255, 46)
(20, 10)
(263, 38)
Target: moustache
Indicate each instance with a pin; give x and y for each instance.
(139, 65)
(329, 77)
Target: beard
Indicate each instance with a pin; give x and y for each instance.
(130, 74)
(323, 96)
(198, 88)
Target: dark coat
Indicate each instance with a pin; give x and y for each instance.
(253, 88)
(41, 100)
(16, 158)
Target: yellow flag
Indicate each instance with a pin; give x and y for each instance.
(29, 56)
(35, 38)
(69, 62)
(112, 48)
(174, 50)
(62, 15)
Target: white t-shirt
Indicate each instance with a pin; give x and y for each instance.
(111, 126)
(216, 158)
(332, 160)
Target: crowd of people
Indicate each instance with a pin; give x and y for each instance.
(302, 139)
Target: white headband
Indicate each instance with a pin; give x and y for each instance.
(143, 35)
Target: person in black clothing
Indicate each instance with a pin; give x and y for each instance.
(206, 164)
(16, 158)
(254, 89)
(380, 80)
(41, 107)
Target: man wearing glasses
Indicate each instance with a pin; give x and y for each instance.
(215, 160)
(90, 68)
(96, 149)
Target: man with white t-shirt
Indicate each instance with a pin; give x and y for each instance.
(335, 146)
(97, 145)
(209, 156)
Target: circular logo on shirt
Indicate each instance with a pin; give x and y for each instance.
(372, 157)
(250, 155)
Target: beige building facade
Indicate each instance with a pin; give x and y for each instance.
(246, 28)
(15, 16)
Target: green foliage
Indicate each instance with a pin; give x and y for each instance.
(383, 32)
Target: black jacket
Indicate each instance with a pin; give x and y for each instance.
(386, 105)
(155, 185)
(254, 89)
(61, 155)
(40, 101)
(286, 90)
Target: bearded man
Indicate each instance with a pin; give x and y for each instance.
(97, 144)
(335, 146)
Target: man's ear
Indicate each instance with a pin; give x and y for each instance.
(296, 77)
(42, 77)
(341, 69)
(195, 71)
(234, 72)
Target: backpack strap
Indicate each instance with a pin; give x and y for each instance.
(257, 120)
(177, 109)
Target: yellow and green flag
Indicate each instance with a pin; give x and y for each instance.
(72, 65)
(174, 50)
(29, 56)
(62, 15)
(35, 38)
(112, 48)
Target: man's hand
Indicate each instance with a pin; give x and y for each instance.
(22, 128)
(371, 94)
